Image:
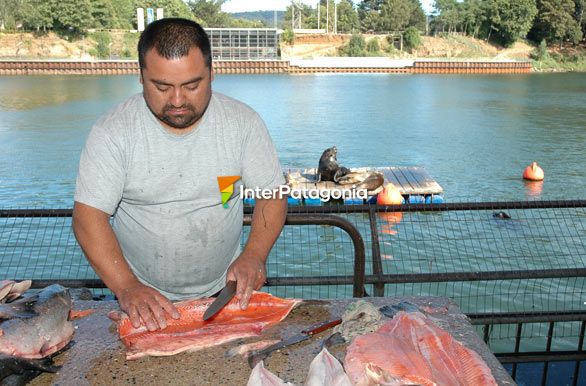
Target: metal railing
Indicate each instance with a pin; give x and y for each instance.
(517, 269)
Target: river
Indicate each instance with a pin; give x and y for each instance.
(473, 134)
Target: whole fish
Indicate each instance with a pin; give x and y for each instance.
(45, 329)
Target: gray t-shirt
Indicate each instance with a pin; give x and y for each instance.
(163, 190)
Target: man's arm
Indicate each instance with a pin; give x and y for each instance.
(249, 269)
(99, 243)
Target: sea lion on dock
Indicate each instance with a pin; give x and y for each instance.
(328, 169)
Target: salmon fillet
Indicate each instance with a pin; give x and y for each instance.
(191, 333)
(411, 349)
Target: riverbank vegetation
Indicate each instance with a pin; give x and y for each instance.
(107, 24)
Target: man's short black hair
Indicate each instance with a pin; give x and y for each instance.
(172, 38)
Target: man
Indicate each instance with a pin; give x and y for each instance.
(152, 163)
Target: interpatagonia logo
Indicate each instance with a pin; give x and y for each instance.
(226, 184)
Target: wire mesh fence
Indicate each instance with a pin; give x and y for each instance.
(490, 258)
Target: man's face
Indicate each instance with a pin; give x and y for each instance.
(177, 91)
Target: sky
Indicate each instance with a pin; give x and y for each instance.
(280, 5)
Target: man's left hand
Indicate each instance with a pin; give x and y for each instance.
(249, 272)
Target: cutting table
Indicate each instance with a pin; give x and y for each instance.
(97, 357)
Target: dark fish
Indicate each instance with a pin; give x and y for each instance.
(19, 371)
(391, 310)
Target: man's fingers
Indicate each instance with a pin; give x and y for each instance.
(169, 308)
(145, 314)
(159, 314)
(241, 285)
(134, 316)
(245, 298)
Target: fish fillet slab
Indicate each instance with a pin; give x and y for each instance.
(411, 349)
(191, 333)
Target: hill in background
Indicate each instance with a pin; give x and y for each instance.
(267, 17)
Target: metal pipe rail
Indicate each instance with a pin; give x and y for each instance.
(356, 280)
(547, 355)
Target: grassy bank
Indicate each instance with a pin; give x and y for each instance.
(556, 62)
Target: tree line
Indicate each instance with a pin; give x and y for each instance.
(502, 21)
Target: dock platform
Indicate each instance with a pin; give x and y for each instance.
(414, 183)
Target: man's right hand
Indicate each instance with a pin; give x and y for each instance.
(145, 305)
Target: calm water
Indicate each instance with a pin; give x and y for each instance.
(474, 134)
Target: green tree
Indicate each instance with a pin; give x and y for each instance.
(104, 14)
(473, 16)
(395, 15)
(448, 14)
(556, 22)
(369, 15)
(37, 14)
(580, 15)
(510, 20)
(417, 18)
(126, 13)
(308, 17)
(347, 17)
(72, 17)
(9, 13)
(209, 13)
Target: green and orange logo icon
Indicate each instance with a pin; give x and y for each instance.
(226, 184)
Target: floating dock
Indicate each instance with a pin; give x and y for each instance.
(413, 182)
(319, 65)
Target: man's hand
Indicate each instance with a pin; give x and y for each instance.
(146, 305)
(249, 272)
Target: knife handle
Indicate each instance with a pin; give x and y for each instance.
(317, 328)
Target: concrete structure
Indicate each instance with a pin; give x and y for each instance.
(244, 43)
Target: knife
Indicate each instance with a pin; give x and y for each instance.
(257, 356)
(223, 298)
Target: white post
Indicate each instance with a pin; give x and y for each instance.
(140, 19)
(318, 7)
(160, 13)
(335, 18)
(327, 16)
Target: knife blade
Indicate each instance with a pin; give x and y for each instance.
(223, 298)
(257, 356)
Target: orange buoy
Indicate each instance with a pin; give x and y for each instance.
(533, 172)
(390, 195)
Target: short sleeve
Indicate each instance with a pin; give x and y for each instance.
(100, 179)
(260, 163)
